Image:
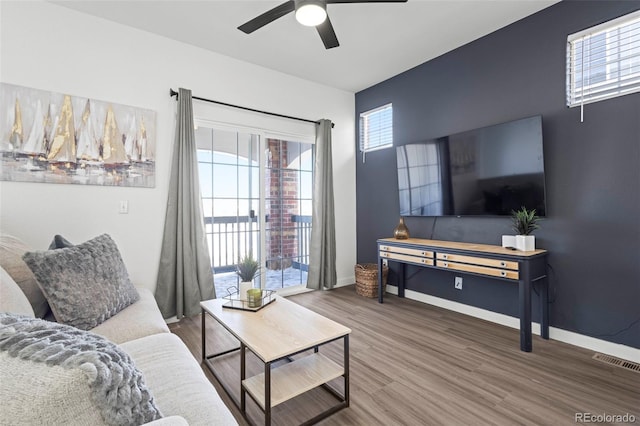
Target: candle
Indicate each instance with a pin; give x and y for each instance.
(254, 297)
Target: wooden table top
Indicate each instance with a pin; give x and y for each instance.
(482, 248)
(277, 330)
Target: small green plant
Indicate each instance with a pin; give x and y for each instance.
(247, 268)
(525, 221)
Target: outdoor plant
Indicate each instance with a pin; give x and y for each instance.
(525, 221)
(247, 268)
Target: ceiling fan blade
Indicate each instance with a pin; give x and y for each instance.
(365, 1)
(267, 17)
(327, 34)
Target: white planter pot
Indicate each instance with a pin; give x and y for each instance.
(526, 242)
(244, 286)
(509, 241)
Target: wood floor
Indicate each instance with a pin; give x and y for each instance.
(415, 364)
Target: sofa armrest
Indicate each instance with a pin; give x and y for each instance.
(169, 421)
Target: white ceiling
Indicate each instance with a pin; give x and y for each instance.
(377, 41)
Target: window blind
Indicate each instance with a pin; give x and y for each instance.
(376, 128)
(604, 61)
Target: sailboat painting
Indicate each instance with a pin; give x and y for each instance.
(51, 137)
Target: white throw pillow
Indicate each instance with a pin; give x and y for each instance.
(11, 251)
(12, 299)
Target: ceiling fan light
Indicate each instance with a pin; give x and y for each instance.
(311, 14)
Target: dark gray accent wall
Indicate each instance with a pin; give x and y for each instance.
(592, 170)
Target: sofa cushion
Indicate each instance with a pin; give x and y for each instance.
(139, 319)
(178, 382)
(12, 299)
(11, 251)
(84, 284)
(54, 371)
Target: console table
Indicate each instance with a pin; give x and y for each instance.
(524, 268)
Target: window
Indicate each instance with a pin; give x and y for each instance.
(376, 129)
(604, 61)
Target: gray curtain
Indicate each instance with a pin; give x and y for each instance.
(184, 276)
(322, 251)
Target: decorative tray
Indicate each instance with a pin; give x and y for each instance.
(235, 302)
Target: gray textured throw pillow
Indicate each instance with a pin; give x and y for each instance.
(84, 284)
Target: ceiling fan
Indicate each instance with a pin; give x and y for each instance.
(312, 13)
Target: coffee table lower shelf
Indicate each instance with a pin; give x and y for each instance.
(293, 379)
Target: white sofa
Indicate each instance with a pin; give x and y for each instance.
(33, 393)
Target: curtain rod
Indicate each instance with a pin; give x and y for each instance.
(173, 93)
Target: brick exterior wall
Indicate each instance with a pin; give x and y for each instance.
(282, 202)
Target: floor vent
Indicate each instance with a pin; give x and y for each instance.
(622, 363)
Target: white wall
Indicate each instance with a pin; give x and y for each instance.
(49, 47)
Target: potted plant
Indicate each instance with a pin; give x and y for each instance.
(524, 223)
(247, 269)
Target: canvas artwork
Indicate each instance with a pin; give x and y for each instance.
(58, 138)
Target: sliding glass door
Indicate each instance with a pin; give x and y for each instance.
(256, 197)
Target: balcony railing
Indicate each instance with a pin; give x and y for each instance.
(231, 237)
(303, 231)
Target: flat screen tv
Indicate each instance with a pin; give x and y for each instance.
(483, 172)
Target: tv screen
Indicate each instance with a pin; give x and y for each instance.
(488, 171)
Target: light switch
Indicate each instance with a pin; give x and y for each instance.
(124, 207)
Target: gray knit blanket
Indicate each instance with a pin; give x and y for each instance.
(117, 386)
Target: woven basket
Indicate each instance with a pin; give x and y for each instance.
(367, 279)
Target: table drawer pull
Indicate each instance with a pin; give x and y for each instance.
(503, 264)
(444, 256)
(445, 264)
(503, 273)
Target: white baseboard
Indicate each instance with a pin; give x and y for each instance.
(290, 291)
(171, 320)
(345, 281)
(591, 343)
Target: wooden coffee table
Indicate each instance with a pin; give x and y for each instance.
(278, 332)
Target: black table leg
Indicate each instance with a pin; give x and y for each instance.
(346, 370)
(380, 295)
(544, 309)
(525, 308)
(401, 274)
(243, 375)
(204, 339)
(267, 393)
